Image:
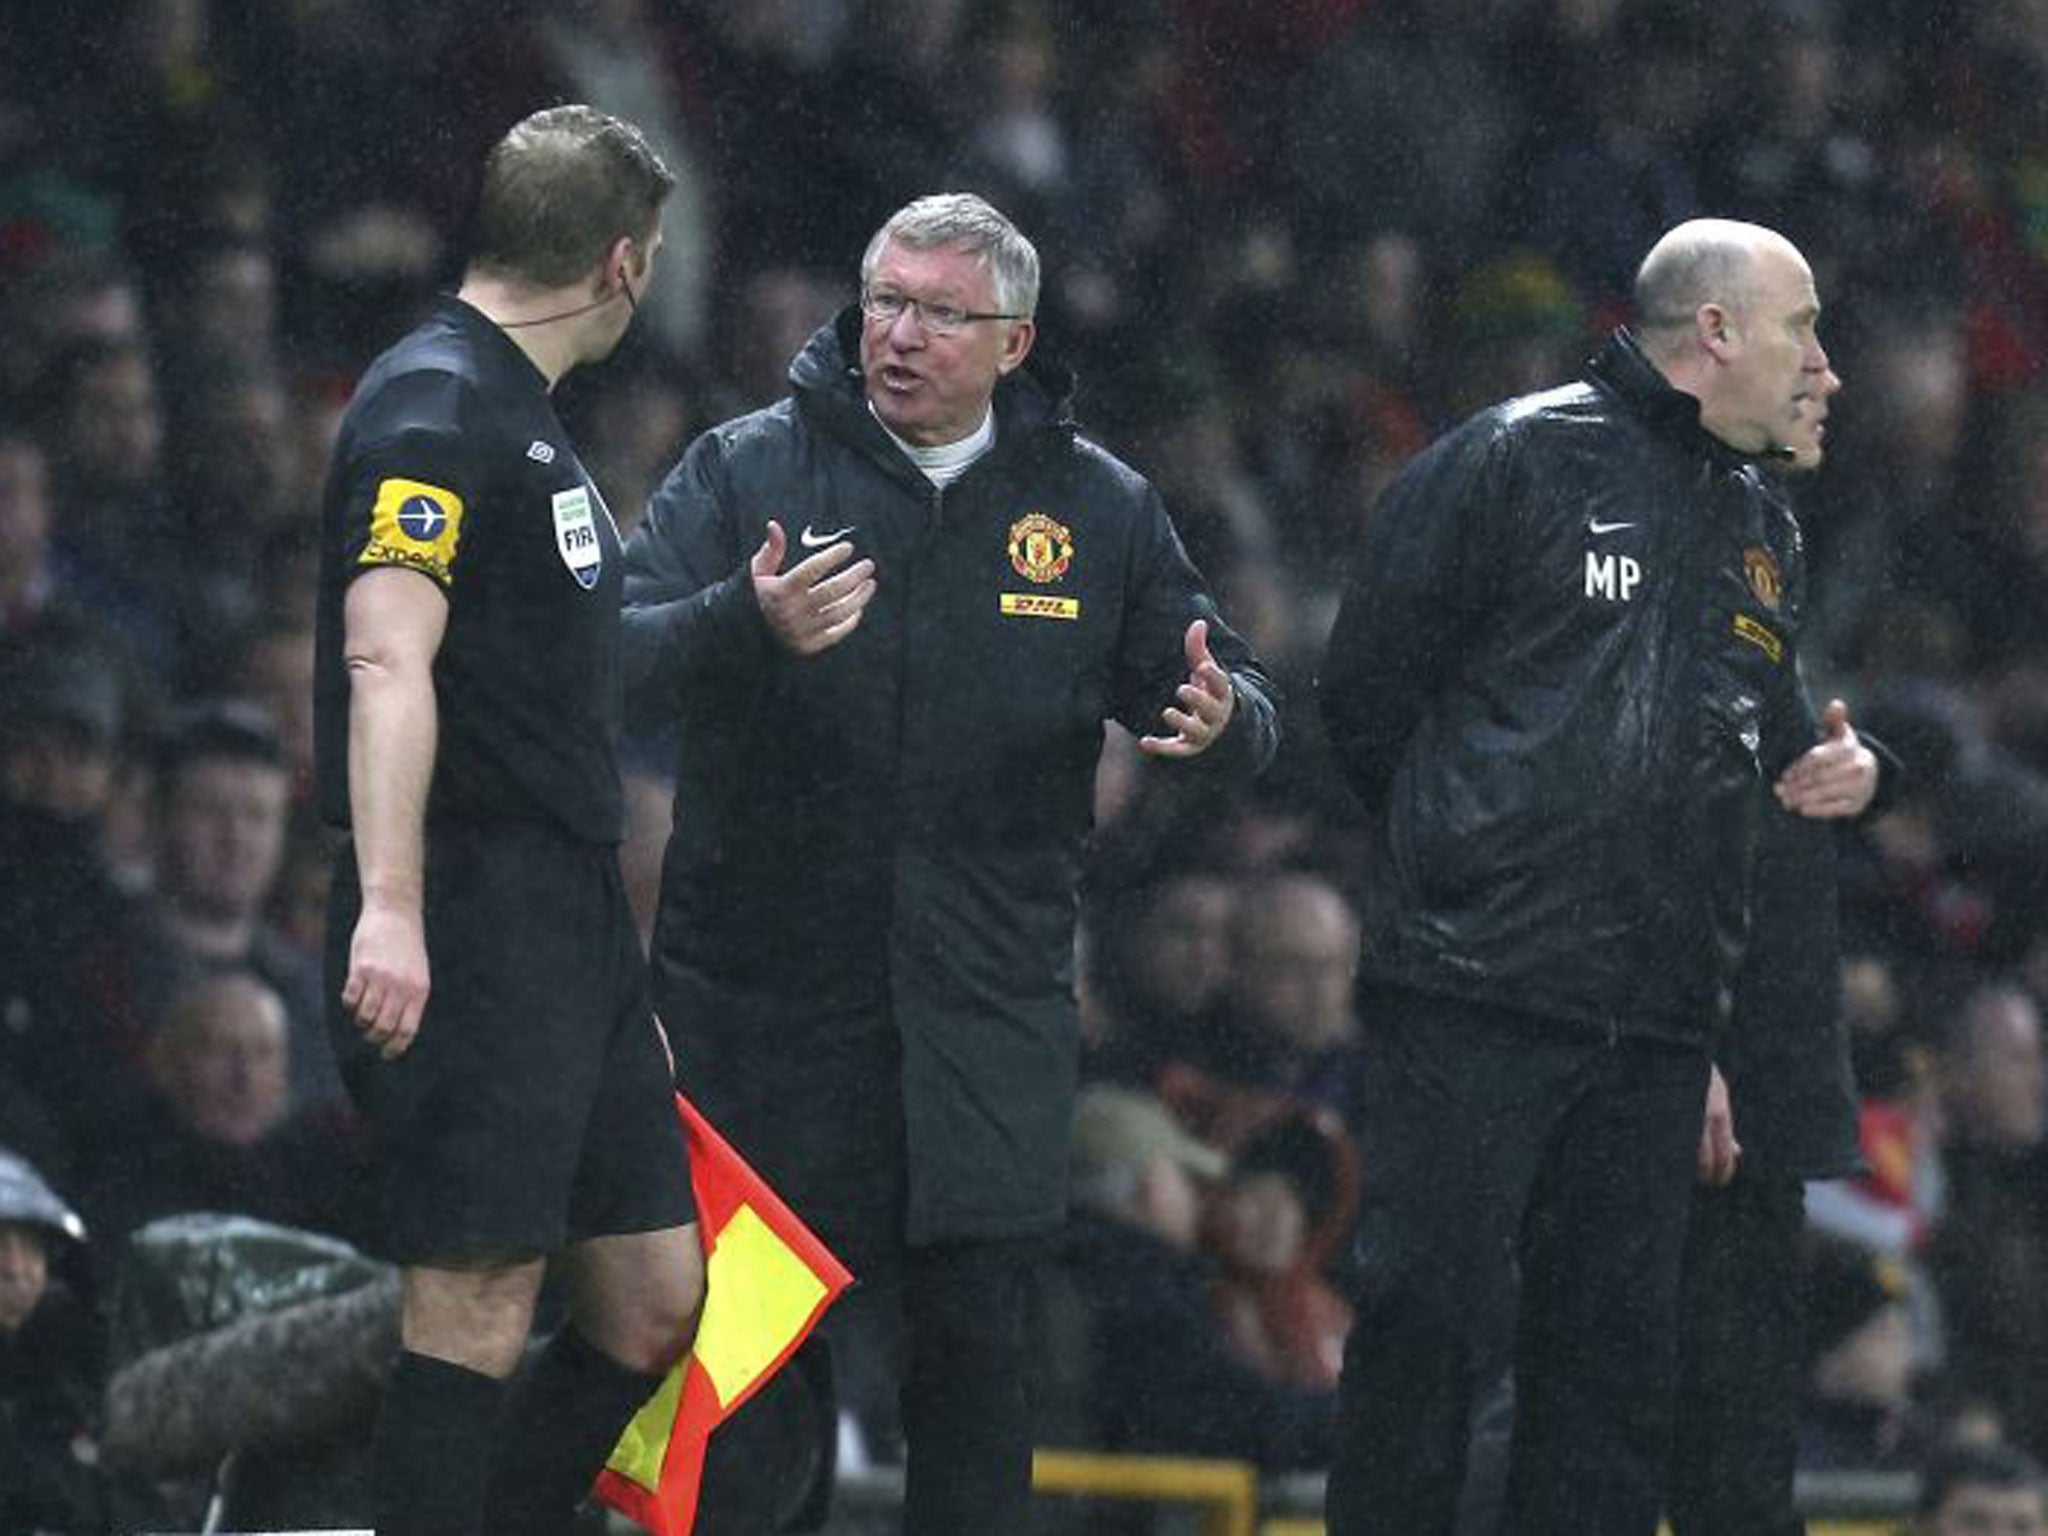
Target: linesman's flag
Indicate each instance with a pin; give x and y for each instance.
(767, 1282)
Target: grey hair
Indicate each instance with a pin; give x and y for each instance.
(962, 220)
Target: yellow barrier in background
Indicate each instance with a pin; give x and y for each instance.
(1226, 1492)
(1293, 1525)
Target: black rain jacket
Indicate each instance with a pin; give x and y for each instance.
(1563, 678)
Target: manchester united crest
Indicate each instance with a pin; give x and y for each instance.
(1764, 580)
(1040, 549)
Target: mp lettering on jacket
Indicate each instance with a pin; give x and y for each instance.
(1612, 577)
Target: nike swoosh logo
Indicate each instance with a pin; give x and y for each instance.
(1600, 527)
(814, 540)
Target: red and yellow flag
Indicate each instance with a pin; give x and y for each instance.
(767, 1282)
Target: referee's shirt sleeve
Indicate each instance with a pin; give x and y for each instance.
(412, 499)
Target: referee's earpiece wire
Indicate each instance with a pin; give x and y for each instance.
(581, 309)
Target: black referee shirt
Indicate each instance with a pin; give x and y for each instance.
(451, 461)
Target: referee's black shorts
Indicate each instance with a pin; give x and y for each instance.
(535, 1106)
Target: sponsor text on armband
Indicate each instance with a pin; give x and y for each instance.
(416, 524)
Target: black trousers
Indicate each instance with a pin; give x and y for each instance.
(957, 1315)
(1742, 1343)
(1524, 1211)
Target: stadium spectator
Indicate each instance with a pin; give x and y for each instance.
(62, 718)
(1163, 964)
(221, 806)
(52, 1363)
(117, 528)
(216, 1131)
(1988, 1254)
(1285, 1031)
(1160, 1375)
(1278, 1224)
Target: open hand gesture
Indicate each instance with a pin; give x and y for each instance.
(1206, 702)
(817, 602)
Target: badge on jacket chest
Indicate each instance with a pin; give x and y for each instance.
(1764, 579)
(1040, 549)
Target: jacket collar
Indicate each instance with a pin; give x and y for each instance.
(1624, 370)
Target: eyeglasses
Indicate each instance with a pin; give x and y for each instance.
(885, 306)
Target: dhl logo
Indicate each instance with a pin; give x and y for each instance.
(1031, 605)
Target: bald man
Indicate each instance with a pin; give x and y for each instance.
(1563, 682)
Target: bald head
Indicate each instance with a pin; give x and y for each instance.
(1728, 313)
(1701, 262)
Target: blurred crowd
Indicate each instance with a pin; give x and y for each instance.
(1285, 244)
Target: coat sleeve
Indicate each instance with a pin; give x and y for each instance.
(1168, 596)
(1791, 722)
(689, 611)
(1891, 770)
(1424, 582)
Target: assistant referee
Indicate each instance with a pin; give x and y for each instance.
(487, 994)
